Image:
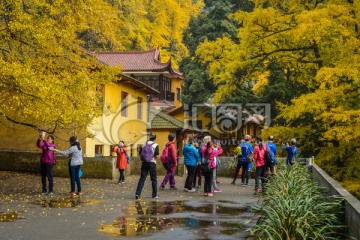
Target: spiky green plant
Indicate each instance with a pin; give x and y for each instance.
(295, 208)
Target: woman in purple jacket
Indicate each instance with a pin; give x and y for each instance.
(47, 161)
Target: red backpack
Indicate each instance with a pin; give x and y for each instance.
(166, 155)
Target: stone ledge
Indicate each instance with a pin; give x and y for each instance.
(94, 167)
(352, 204)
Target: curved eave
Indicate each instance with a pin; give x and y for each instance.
(137, 84)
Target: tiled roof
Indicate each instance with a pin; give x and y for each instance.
(136, 61)
(162, 104)
(160, 120)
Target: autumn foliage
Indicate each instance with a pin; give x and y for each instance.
(315, 43)
(48, 81)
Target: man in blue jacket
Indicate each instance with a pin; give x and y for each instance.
(246, 154)
(292, 152)
(273, 148)
(191, 159)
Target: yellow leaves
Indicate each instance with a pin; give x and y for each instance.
(262, 81)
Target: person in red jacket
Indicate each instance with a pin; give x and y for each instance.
(173, 163)
(47, 161)
(259, 156)
(121, 162)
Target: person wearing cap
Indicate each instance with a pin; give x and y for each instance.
(237, 153)
(191, 159)
(149, 167)
(273, 148)
(170, 172)
(259, 157)
(246, 152)
(291, 150)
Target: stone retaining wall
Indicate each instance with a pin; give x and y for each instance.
(352, 204)
(97, 167)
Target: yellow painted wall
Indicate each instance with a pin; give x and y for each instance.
(23, 138)
(176, 83)
(112, 127)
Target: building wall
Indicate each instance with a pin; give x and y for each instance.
(176, 83)
(23, 138)
(112, 127)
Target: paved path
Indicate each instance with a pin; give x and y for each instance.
(107, 210)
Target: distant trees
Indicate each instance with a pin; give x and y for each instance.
(314, 46)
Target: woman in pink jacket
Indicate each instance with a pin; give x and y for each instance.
(259, 156)
(47, 161)
(208, 165)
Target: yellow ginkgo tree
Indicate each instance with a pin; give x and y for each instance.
(315, 43)
(46, 80)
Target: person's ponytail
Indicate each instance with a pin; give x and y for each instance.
(261, 146)
(74, 141)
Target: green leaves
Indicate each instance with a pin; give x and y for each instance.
(295, 208)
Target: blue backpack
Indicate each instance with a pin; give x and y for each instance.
(270, 156)
(147, 153)
(127, 158)
(245, 152)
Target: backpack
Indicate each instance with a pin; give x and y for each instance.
(147, 153)
(270, 156)
(293, 157)
(127, 158)
(245, 151)
(166, 155)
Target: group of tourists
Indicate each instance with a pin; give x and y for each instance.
(264, 157)
(48, 160)
(201, 158)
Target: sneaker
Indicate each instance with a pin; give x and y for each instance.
(248, 185)
(123, 182)
(243, 184)
(43, 192)
(210, 195)
(186, 190)
(217, 190)
(157, 196)
(78, 193)
(206, 194)
(137, 196)
(233, 182)
(50, 193)
(72, 193)
(173, 188)
(191, 190)
(161, 188)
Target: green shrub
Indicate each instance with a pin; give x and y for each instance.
(295, 208)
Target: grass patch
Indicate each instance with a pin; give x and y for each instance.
(294, 207)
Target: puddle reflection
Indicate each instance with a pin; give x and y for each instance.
(157, 208)
(142, 218)
(9, 216)
(65, 202)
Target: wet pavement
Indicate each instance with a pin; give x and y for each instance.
(107, 210)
